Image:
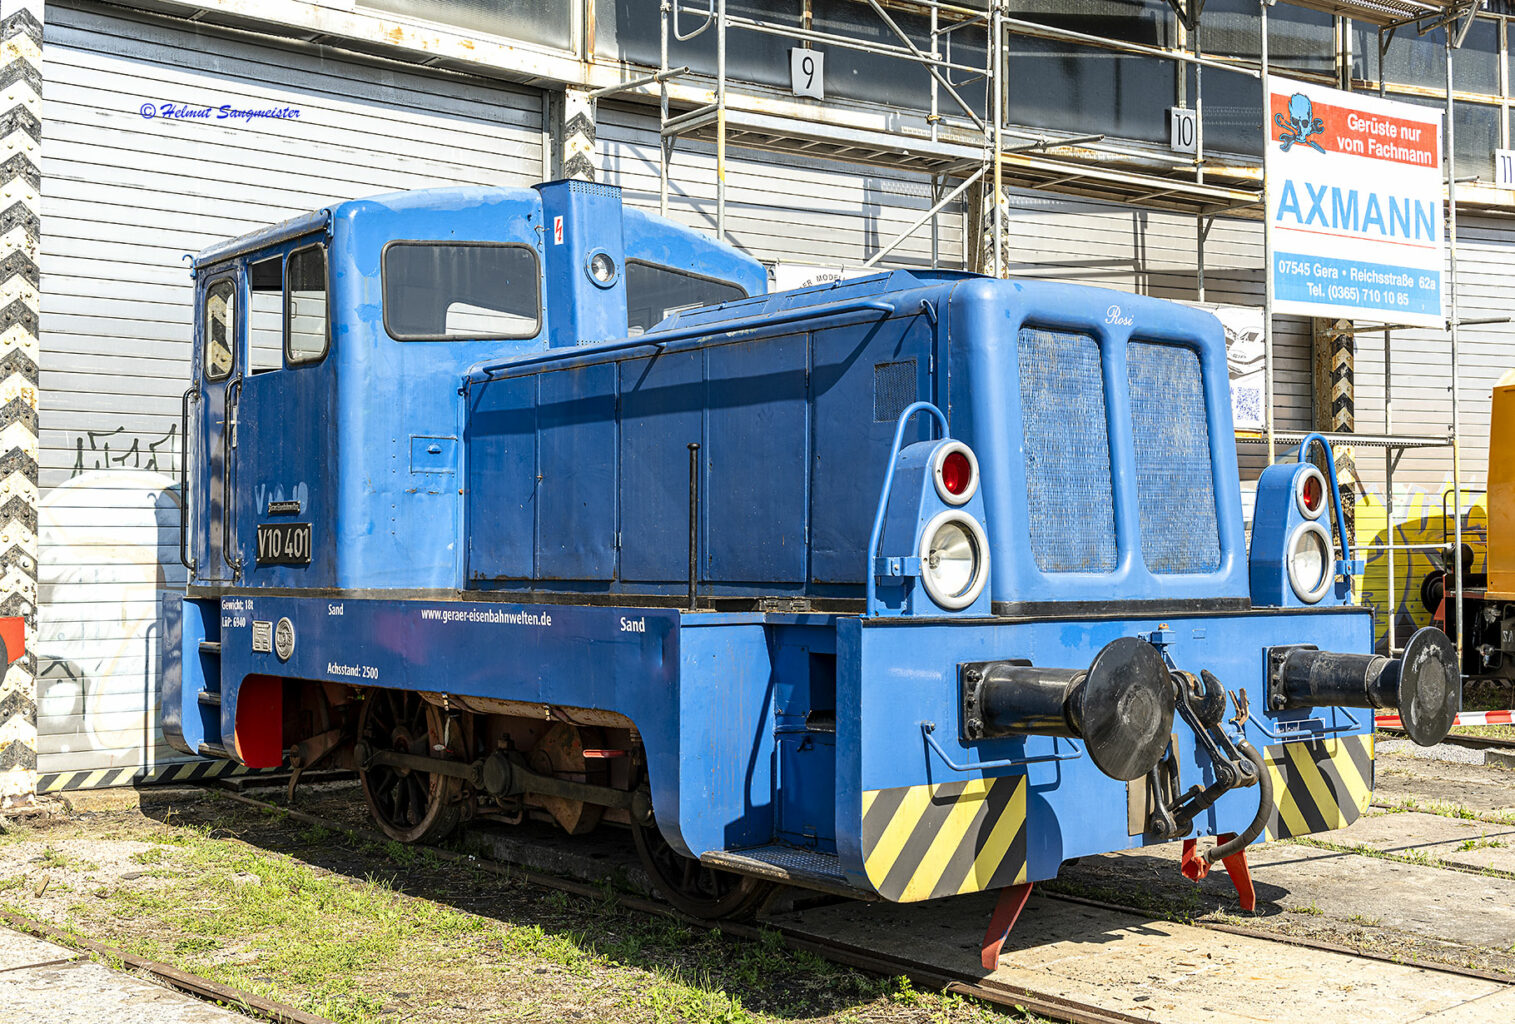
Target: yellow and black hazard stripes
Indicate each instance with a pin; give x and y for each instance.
(135, 775)
(1319, 784)
(921, 842)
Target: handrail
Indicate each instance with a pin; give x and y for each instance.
(1285, 736)
(1341, 523)
(228, 446)
(883, 498)
(699, 332)
(927, 728)
(192, 391)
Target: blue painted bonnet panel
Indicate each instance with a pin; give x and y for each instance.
(1102, 423)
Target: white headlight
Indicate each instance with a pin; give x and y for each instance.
(954, 559)
(1310, 558)
(602, 269)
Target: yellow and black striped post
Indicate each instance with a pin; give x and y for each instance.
(921, 842)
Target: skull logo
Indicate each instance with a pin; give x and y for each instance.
(1299, 125)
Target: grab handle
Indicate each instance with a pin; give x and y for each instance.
(927, 728)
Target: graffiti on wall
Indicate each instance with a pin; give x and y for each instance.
(121, 449)
(106, 535)
(1422, 517)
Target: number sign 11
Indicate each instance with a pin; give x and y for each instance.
(1504, 168)
(807, 72)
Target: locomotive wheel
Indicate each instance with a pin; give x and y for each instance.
(697, 889)
(410, 806)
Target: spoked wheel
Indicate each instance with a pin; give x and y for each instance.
(697, 889)
(410, 806)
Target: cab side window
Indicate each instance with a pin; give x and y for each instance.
(305, 334)
(264, 331)
(454, 291)
(654, 293)
(220, 329)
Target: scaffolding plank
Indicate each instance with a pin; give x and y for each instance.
(1385, 13)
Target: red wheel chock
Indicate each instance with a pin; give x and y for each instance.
(1196, 867)
(1012, 900)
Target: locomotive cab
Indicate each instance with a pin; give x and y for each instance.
(310, 336)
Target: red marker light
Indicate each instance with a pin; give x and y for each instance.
(1313, 494)
(957, 473)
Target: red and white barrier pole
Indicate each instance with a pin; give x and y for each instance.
(1465, 718)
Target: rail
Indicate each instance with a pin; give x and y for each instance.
(191, 392)
(870, 606)
(1283, 735)
(927, 728)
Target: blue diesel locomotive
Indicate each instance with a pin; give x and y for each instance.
(525, 504)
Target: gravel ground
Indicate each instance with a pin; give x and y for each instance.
(1448, 752)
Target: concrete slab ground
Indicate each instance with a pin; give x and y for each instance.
(45, 983)
(1355, 889)
(1160, 970)
(1475, 845)
(1481, 789)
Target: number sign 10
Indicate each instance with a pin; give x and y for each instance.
(1183, 130)
(807, 72)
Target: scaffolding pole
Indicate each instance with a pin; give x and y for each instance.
(1453, 323)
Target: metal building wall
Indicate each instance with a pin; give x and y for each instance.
(1155, 253)
(779, 207)
(126, 197)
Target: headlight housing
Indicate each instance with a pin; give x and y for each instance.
(954, 556)
(1310, 492)
(1310, 561)
(954, 468)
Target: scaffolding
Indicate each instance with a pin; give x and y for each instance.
(959, 148)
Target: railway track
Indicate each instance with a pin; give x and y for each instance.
(173, 977)
(989, 990)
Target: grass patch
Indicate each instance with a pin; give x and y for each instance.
(1420, 858)
(1481, 843)
(1447, 809)
(363, 933)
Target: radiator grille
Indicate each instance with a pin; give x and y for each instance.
(1067, 446)
(893, 389)
(1174, 481)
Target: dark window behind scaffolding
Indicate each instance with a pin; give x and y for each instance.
(1063, 85)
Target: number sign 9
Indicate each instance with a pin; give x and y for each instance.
(807, 72)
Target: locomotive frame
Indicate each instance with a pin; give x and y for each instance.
(905, 586)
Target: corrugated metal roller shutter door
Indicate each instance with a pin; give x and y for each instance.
(780, 207)
(124, 197)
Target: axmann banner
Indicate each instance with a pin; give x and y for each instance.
(1354, 205)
